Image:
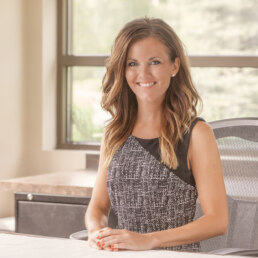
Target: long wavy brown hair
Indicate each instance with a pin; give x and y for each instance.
(179, 105)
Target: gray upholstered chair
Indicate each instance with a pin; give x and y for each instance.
(237, 140)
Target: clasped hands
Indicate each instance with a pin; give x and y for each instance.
(120, 239)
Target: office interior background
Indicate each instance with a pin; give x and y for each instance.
(48, 121)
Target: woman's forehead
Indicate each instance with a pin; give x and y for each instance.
(149, 46)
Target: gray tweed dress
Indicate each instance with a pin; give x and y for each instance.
(146, 195)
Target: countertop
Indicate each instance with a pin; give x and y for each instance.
(13, 245)
(74, 183)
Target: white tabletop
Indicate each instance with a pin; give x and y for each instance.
(12, 245)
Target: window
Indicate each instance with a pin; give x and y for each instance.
(221, 39)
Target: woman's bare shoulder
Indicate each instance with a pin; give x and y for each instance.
(202, 130)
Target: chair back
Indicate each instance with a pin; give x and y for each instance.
(237, 141)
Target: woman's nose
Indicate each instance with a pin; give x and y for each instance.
(143, 70)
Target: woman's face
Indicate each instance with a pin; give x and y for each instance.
(149, 69)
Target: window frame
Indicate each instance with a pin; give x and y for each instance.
(65, 60)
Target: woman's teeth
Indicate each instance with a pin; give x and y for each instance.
(146, 84)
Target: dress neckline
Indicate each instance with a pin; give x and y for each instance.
(151, 139)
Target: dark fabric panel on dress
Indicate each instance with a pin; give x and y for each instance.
(152, 146)
(146, 195)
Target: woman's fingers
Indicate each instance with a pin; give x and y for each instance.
(108, 237)
(93, 240)
(109, 241)
(109, 231)
(114, 239)
(93, 244)
(121, 239)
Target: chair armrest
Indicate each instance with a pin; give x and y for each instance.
(236, 251)
(80, 235)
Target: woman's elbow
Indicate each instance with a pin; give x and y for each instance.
(222, 224)
(223, 229)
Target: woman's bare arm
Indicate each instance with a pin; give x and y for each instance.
(96, 216)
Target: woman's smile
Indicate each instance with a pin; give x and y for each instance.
(146, 84)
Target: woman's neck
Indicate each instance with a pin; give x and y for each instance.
(148, 121)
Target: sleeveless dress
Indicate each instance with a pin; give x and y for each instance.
(148, 196)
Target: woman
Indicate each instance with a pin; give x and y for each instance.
(156, 154)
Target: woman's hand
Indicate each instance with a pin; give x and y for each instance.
(93, 239)
(121, 239)
(95, 242)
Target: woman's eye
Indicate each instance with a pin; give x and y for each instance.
(132, 64)
(155, 62)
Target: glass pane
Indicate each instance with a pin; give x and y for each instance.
(86, 115)
(227, 92)
(205, 27)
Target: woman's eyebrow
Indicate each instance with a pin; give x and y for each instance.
(131, 59)
(151, 58)
(155, 57)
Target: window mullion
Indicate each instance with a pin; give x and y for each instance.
(223, 61)
(195, 61)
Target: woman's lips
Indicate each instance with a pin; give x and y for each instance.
(146, 84)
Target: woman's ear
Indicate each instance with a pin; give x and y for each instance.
(176, 66)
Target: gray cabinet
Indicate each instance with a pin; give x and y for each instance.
(49, 215)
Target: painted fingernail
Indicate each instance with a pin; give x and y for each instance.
(98, 242)
(97, 237)
(103, 244)
(112, 246)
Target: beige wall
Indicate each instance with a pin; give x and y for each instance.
(28, 94)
